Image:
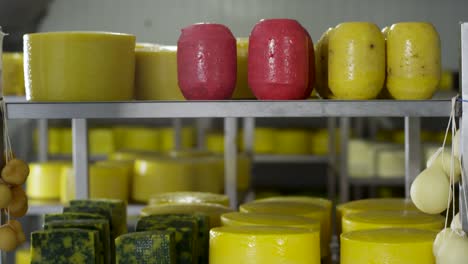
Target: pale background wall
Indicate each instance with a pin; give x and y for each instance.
(160, 20)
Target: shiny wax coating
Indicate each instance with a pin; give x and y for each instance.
(278, 62)
(413, 60)
(356, 61)
(206, 62)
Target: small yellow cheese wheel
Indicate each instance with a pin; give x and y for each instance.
(413, 60)
(321, 66)
(136, 139)
(376, 204)
(44, 180)
(188, 197)
(242, 90)
(66, 141)
(313, 211)
(319, 141)
(392, 245)
(101, 141)
(257, 219)
(391, 219)
(23, 256)
(13, 74)
(156, 72)
(256, 244)
(167, 135)
(214, 211)
(291, 141)
(264, 140)
(356, 61)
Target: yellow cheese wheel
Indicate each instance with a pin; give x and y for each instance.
(79, 66)
(136, 138)
(305, 209)
(242, 90)
(44, 180)
(13, 74)
(413, 60)
(375, 204)
(156, 72)
(127, 168)
(319, 141)
(303, 199)
(258, 219)
(356, 61)
(66, 146)
(272, 245)
(263, 140)
(214, 211)
(188, 197)
(54, 135)
(101, 141)
(321, 66)
(23, 256)
(392, 245)
(215, 142)
(167, 138)
(291, 141)
(391, 219)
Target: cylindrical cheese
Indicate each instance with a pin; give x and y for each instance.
(101, 141)
(13, 75)
(242, 90)
(156, 73)
(137, 138)
(391, 219)
(389, 246)
(167, 134)
(258, 219)
(92, 66)
(44, 180)
(313, 211)
(376, 204)
(291, 141)
(262, 245)
(188, 197)
(264, 140)
(356, 61)
(214, 211)
(413, 60)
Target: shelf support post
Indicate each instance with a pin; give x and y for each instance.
(43, 139)
(177, 124)
(412, 151)
(345, 125)
(80, 157)
(464, 125)
(230, 160)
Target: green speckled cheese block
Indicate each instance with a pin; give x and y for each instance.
(203, 229)
(102, 226)
(117, 208)
(150, 247)
(71, 216)
(186, 234)
(64, 246)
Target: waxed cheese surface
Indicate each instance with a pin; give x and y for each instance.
(189, 197)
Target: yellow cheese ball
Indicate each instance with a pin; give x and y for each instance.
(5, 195)
(19, 204)
(7, 238)
(15, 172)
(430, 191)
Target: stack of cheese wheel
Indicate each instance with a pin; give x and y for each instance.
(377, 204)
(167, 135)
(297, 208)
(291, 141)
(44, 180)
(392, 245)
(188, 197)
(213, 211)
(264, 244)
(136, 138)
(242, 90)
(156, 72)
(92, 66)
(13, 75)
(106, 180)
(391, 219)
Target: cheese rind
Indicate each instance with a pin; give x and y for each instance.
(151, 247)
(189, 197)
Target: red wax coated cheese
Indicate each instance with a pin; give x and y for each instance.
(280, 60)
(206, 62)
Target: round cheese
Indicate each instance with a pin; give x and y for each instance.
(167, 135)
(391, 219)
(392, 245)
(272, 245)
(188, 198)
(136, 138)
(291, 141)
(256, 219)
(44, 180)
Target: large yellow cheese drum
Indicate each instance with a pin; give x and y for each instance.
(391, 219)
(188, 198)
(43, 182)
(388, 246)
(305, 209)
(413, 60)
(79, 66)
(356, 61)
(156, 72)
(265, 245)
(242, 90)
(214, 211)
(13, 74)
(375, 204)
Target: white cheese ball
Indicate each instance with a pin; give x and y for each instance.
(456, 223)
(430, 191)
(451, 247)
(443, 159)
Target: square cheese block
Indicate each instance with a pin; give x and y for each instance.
(150, 247)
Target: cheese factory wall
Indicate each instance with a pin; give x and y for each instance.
(161, 20)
